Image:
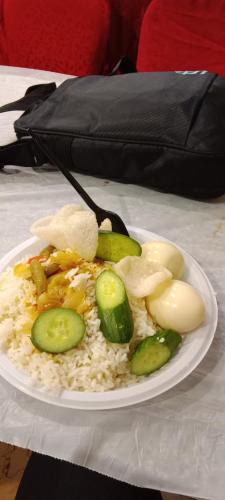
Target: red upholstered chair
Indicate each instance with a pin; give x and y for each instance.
(3, 52)
(183, 35)
(68, 37)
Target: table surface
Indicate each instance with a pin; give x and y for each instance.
(175, 442)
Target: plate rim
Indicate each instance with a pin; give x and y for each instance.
(113, 399)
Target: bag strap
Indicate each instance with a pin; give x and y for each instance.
(33, 94)
(24, 152)
(124, 65)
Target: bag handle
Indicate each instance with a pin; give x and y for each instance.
(24, 152)
(124, 65)
(33, 94)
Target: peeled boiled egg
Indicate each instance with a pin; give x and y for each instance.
(165, 254)
(177, 306)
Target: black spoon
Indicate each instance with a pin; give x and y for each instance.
(118, 225)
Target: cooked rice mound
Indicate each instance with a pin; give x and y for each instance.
(96, 365)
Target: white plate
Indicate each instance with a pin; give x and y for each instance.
(192, 351)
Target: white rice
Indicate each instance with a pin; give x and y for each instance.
(95, 365)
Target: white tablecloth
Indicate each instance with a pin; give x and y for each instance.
(175, 442)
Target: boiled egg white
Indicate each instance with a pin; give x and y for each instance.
(165, 254)
(176, 305)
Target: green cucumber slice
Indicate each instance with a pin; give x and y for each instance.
(113, 308)
(57, 330)
(154, 352)
(114, 246)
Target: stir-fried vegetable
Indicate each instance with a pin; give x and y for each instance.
(74, 298)
(47, 251)
(38, 276)
(22, 271)
(51, 268)
(66, 260)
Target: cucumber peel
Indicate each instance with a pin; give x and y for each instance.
(113, 308)
(154, 352)
(114, 246)
(57, 330)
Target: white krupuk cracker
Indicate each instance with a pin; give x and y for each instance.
(71, 227)
(140, 276)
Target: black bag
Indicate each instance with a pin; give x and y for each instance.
(162, 130)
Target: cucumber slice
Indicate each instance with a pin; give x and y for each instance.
(154, 352)
(115, 246)
(113, 308)
(57, 330)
